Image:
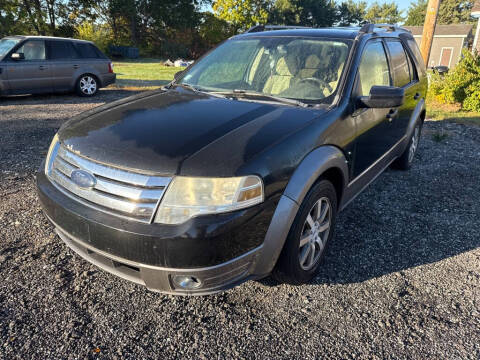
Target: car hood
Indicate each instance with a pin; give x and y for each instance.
(157, 131)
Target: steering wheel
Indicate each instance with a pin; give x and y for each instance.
(320, 82)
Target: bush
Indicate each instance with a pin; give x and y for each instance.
(461, 85)
(101, 35)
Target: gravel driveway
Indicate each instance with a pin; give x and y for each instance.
(400, 280)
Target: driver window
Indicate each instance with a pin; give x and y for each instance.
(33, 50)
(373, 69)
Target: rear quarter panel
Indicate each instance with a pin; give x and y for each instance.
(97, 67)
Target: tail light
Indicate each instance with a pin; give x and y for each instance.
(110, 68)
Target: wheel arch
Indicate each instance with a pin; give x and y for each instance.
(84, 72)
(325, 162)
(419, 113)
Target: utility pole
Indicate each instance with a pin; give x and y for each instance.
(429, 29)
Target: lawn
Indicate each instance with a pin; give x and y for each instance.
(143, 73)
(453, 113)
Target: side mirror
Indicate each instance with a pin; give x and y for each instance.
(18, 56)
(383, 97)
(177, 75)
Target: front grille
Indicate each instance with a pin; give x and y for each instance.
(120, 192)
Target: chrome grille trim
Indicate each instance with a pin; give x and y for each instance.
(118, 174)
(117, 191)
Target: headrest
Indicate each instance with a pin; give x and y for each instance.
(312, 62)
(287, 66)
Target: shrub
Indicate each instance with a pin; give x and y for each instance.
(460, 85)
(101, 34)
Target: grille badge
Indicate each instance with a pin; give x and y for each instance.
(83, 179)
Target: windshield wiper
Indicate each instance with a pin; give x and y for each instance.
(187, 86)
(237, 93)
(197, 89)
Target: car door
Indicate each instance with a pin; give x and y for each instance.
(64, 60)
(373, 125)
(404, 76)
(31, 74)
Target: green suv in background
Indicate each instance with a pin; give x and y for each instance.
(39, 64)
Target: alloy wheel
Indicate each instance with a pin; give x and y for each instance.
(88, 85)
(414, 143)
(314, 234)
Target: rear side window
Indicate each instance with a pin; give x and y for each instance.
(413, 71)
(33, 50)
(400, 70)
(373, 69)
(412, 44)
(62, 50)
(88, 51)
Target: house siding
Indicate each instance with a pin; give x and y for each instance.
(457, 43)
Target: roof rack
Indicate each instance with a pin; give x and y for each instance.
(260, 28)
(370, 28)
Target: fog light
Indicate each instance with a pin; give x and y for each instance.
(188, 282)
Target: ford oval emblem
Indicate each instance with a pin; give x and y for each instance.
(83, 179)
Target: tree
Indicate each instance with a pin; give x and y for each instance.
(384, 13)
(314, 13)
(416, 13)
(242, 14)
(284, 12)
(317, 13)
(450, 12)
(351, 13)
(455, 11)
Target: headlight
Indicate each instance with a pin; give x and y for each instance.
(52, 150)
(187, 197)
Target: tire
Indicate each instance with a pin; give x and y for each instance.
(405, 161)
(294, 266)
(87, 85)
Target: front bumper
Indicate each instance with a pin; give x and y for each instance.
(220, 250)
(213, 279)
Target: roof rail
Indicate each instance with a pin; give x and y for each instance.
(260, 28)
(370, 28)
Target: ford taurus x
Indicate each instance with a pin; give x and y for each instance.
(238, 168)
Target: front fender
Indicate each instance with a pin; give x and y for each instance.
(307, 173)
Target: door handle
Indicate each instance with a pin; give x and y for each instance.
(76, 66)
(417, 95)
(41, 67)
(391, 114)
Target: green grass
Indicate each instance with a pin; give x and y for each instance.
(452, 113)
(144, 74)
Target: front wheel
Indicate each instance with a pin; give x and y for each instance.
(404, 162)
(87, 85)
(309, 235)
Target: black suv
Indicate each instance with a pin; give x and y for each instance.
(238, 168)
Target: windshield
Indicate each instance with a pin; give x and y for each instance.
(6, 45)
(296, 68)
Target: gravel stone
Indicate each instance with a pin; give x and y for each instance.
(400, 280)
